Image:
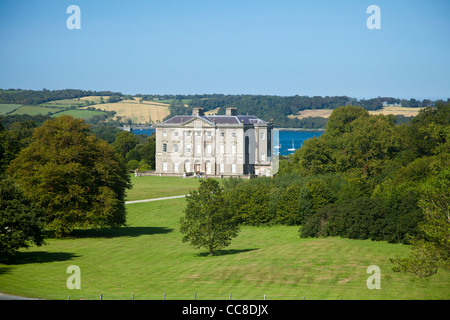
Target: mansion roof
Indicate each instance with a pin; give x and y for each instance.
(217, 120)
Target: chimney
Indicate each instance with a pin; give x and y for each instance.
(231, 112)
(198, 112)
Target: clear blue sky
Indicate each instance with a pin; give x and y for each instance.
(232, 47)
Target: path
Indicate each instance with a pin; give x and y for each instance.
(155, 199)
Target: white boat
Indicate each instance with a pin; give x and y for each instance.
(293, 147)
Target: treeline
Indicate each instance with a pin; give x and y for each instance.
(364, 178)
(33, 97)
(277, 108)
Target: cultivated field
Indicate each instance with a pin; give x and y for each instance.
(82, 114)
(8, 107)
(148, 258)
(145, 112)
(325, 113)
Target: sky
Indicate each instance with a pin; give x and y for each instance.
(282, 47)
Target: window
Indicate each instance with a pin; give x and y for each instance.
(261, 135)
(164, 147)
(208, 167)
(222, 134)
(221, 149)
(164, 134)
(233, 168)
(175, 133)
(165, 166)
(208, 149)
(222, 168)
(188, 148)
(263, 157)
(233, 149)
(198, 148)
(209, 133)
(188, 133)
(233, 134)
(199, 134)
(175, 147)
(175, 167)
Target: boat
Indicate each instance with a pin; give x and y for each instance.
(293, 147)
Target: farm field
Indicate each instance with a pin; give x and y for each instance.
(35, 110)
(83, 114)
(325, 113)
(147, 258)
(8, 107)
(145, 112)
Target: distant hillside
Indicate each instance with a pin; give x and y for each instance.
(293, 111)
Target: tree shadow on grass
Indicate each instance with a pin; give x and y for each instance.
(225, 252)
(24, 257)
(118, 232)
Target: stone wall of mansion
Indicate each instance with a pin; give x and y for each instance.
(215, 145)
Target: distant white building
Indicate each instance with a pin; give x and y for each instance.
(216, 145)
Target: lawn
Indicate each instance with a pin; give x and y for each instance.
(150, 187)
(148, 258)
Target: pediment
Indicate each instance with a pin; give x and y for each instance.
(198, 122)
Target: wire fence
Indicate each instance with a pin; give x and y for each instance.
(193, 296)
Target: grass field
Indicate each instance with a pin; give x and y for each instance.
(83, 114)
(35, 110)
(147, 258)
(8, 107)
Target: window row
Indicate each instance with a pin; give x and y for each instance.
(198, 148)
(197, 167)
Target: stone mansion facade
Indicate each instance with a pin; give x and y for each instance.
(215, 145)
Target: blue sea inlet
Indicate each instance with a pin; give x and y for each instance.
(285, 141)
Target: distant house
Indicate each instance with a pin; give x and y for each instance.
(215, 145)
(386, 104)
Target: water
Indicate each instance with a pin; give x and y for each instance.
(292, 139)
(286, 139)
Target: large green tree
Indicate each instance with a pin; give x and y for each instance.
(207, 223)
(431, 249)
(76, 177)
(21, 221)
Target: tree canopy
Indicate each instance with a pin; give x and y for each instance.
(207, 223)
(78, 178)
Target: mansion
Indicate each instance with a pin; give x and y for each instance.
(216, 145)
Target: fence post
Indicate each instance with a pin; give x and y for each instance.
(195, 295)
(101, 296)
(264, 297)
(229, 296)
(133, 296)
(164, 296)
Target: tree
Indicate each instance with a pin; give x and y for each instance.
(76, 177)
(125, 142)
(21, 221)
(431, 250)
(207, 222)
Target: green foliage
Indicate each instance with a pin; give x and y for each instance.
(21, 221)
(77, 178)
(431, 248)
(207, 222)
(125, 142)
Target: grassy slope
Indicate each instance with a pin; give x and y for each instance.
(148, 258)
